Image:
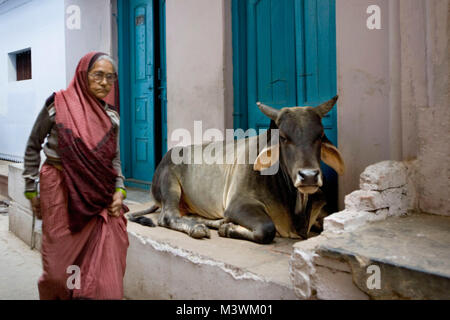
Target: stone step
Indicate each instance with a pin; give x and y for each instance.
(410, 255)
(4, 178)
(167, 264)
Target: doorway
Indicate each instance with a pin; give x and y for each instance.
(284, 55)
(142, 80)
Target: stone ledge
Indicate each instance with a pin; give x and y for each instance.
(4, 178)
(16, 185)
(412, 253)
(3, 186)
(167, 264)
(317, 276)
(20, 223)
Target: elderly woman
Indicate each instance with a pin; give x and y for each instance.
(84, 237)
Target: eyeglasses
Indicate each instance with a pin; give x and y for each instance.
(99, 76)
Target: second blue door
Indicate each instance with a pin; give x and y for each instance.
(291, 57)
(284, 55)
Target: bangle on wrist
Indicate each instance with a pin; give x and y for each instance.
(124, 192)
(30, 194)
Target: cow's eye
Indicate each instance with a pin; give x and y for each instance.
(283, 139)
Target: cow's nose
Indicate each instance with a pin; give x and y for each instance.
(309, 176)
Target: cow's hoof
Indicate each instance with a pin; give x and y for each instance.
(200, 231)
(225, 228)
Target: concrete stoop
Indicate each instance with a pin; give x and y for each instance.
(167, 264)
(20, 214)
(4, 178)
(399, 258)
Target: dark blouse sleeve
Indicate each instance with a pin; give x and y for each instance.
(32, 159)
(118, 165)
(115, 119)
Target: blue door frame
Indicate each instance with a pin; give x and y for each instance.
(162, 73)
(142, 86)
(284, 54)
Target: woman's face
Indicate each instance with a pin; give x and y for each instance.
(100, 78)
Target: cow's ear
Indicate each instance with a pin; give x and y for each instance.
(331, 156)
(267, 158)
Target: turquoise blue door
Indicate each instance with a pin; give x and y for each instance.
(136, 56)
(291, 56)
(271, 57)
(284, 55)
(142, 89)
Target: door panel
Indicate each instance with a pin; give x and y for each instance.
(271, 57)
(316, 59)
(142, 89)
(291, 57)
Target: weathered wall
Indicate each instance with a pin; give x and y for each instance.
(434, 116)
(413, 71)
(394, 93)
(38, 25)
(198, 64)
(363, 87)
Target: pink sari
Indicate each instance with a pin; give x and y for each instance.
(77, 232)
(99, 250)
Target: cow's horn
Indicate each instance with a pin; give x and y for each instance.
(272, 113)
(324, 108)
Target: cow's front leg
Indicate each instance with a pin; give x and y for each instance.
(214, 224)
(171, 218)
(248, 220)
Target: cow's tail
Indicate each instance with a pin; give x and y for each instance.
(138, 216)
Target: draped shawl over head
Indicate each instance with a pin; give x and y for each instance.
(87, 145)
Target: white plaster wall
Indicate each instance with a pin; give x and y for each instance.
(39, 25)
(94, 34)
(197, 56)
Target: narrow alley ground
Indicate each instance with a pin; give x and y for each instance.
(20, 267)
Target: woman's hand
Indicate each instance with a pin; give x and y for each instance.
(36, 207)
(116, 205)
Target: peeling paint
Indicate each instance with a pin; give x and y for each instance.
(235, 272)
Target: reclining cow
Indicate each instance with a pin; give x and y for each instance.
(239, 199)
